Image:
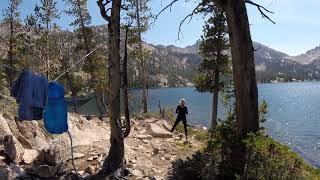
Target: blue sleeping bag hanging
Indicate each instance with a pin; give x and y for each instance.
(55, 114)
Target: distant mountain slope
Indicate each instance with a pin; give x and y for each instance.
(315, 65)
(308, 57)
(166, 66)
(264, 54)
(314, 53)
(169, 66)
(172, 66)
(302, 59)
(271, 65)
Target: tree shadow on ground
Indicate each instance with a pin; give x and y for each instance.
(202, 165)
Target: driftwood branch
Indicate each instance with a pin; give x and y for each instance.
(262, 10)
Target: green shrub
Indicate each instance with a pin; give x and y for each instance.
(229, 156)
(200, 135)
(268, 159)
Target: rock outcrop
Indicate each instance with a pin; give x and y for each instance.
(28, 150)
(157, 131)
(4, 128)
(29, 155)
(12, 148)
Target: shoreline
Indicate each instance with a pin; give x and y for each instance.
(288, 82)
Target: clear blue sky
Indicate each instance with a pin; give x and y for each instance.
(297, 28)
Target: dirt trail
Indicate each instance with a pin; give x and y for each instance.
(149, 149)
(146, 156)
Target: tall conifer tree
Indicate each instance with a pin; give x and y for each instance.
(213, 49)
(139, 12)
(13, 22)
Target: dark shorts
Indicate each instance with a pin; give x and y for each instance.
(181, 118)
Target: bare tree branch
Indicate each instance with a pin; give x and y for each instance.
(195, 11)
(103, 11)
(168, 6)
(261, 9)
(107, 2)
(124, 7)
(108, 10)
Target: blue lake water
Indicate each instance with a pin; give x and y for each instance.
(293, 112)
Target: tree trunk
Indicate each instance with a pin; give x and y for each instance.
(215, 97)
(243, 66)
(10, 52)
(142, 63)
(10, 55)
(47, 49)
(97, 96)
(244, 77)
(125, 88)
(75, 103)
(114, 160)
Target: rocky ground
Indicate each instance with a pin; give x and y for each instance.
(27, 151)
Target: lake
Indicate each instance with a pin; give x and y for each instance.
(293, 112)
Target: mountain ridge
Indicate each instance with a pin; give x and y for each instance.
(307, 57)
(169, 66)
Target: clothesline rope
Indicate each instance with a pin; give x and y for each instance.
(62, 74)
(82, 59)
(72, 156)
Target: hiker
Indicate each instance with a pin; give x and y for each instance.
(181, 110)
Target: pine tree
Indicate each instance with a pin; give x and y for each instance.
(82, 21)
(139, 12)
(25, 47)
(93, 64)
(12, 21)
(3, 83)
(213, 48)
(47, 13)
